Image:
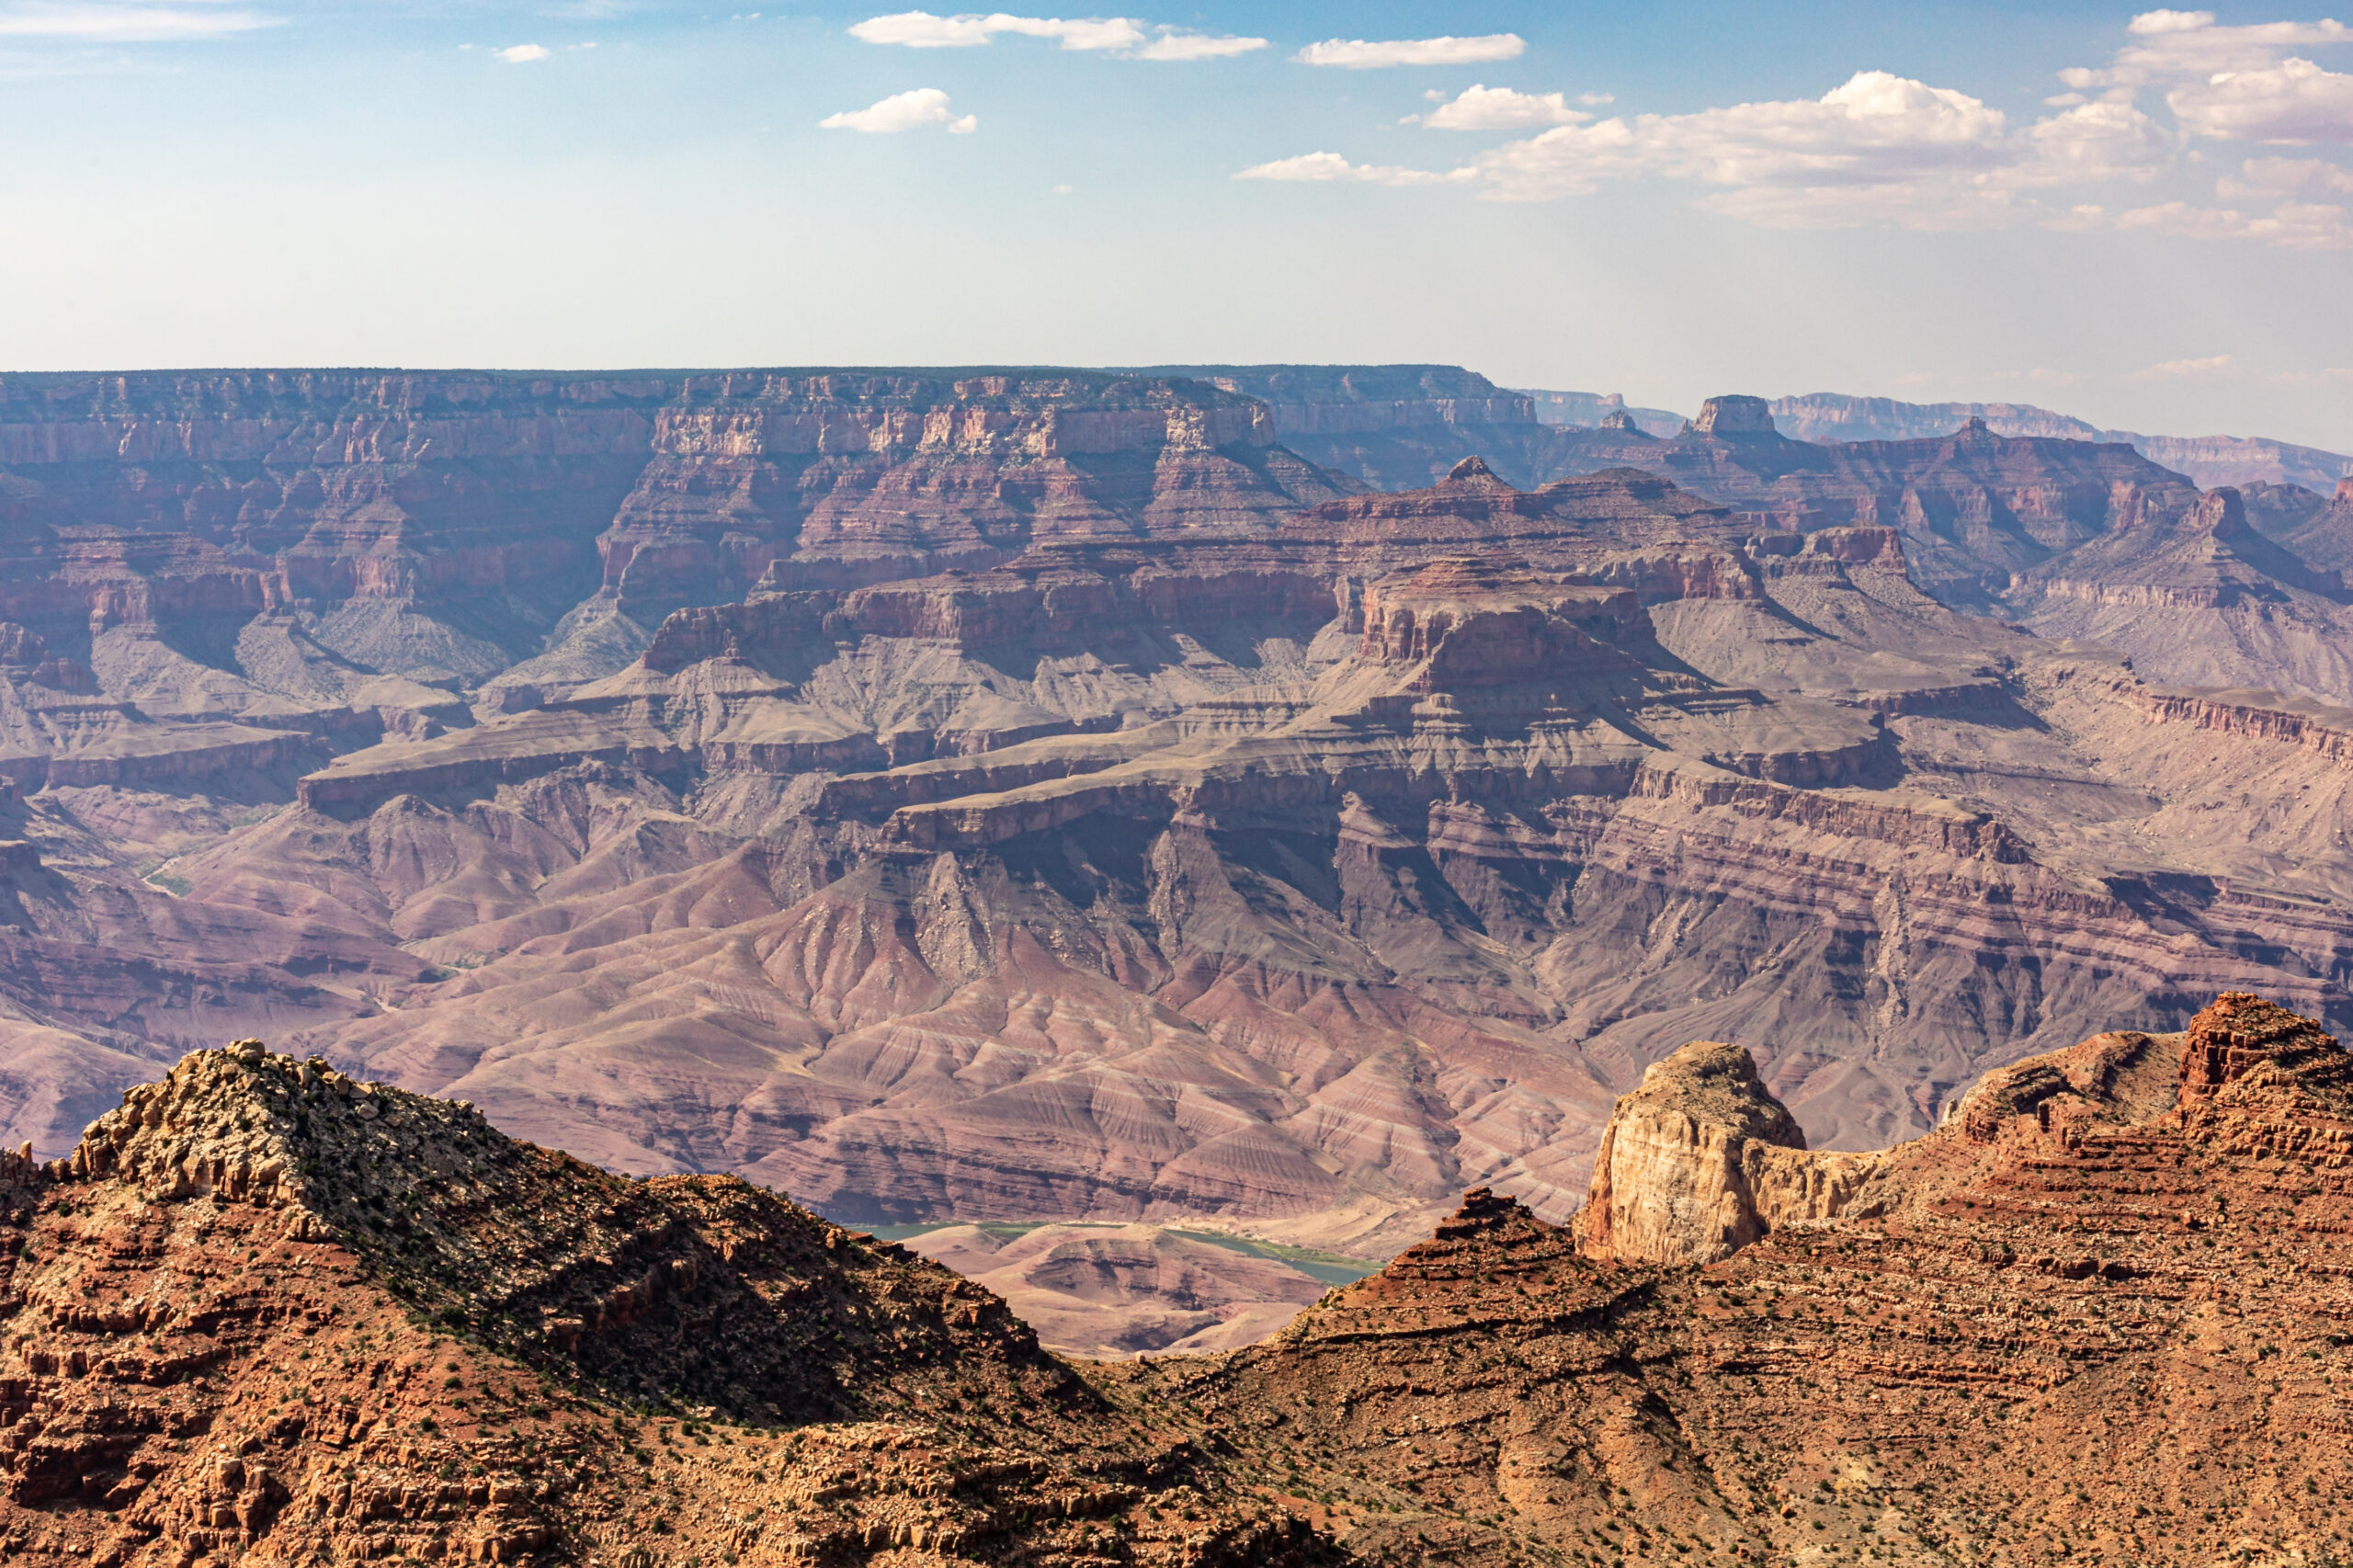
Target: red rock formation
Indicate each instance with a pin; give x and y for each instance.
(2240, 1032)
(264, 1312)
(1197, 855)
(2076, 1322)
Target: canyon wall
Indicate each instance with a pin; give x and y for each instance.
(1022, 795)
(2206, 461)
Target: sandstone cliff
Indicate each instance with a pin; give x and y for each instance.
(2093, 1317)
(1393, 426)
(1701, 1161)
(1039, 795)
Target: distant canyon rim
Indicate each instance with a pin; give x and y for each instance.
(1270, 799)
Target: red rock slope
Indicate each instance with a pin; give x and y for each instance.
(267, 1314)
(2098, 1317)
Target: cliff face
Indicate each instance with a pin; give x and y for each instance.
(1699, 1161)
(2078, 540)
(1305, 878)
(840, 479)
(440, 525)
(2107, 1291)
(1070, 806)
(1973, 508)
(1393, 426)
(2207, 461)
(2204, 596)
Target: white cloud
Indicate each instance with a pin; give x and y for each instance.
(2293, 226)
(2151, 24)
(1594, 100)
(1359, 54)
(2094, 143)
(2172, 46)
(521, 54)
(1325, 167)
(1174, 44)
(2283, 176)
(921, 30)
(910, 110)
(1089, 33)
(1501, 108)
(1879, 147)
(2294, 101)
(1120, 35)
(93, 21)
(1875, 132)
(1886, 149)
(2178, 369)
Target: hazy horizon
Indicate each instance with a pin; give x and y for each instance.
(2140, 223)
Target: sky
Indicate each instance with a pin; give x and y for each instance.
(2144, 219)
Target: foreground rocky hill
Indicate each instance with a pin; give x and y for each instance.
(264, 1314)
(2095, 1316)
(267, 1314)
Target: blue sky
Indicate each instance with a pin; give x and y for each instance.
(1667, 200)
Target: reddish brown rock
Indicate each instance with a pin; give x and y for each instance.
(2086, 1327)
(1699, 1161)
(2240, 1032)
(1064, 819)
(267, 1314)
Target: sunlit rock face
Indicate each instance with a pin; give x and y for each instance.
(1046, 796)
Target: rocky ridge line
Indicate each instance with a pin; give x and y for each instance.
(2095, 1317)
(265, 1313)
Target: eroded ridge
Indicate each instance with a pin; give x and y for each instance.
(265, 1313)
(2100, 1315)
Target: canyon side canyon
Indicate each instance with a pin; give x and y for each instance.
(1267, 800)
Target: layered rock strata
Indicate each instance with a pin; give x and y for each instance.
(2208, 461)
(267, 1314)
(1701, 1161)
(1316, 873)
(1276, 898)
(2093, 1317)
(1063, 803)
